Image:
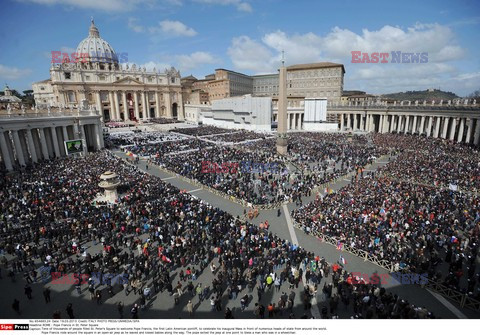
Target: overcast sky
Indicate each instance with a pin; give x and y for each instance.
(198, 36)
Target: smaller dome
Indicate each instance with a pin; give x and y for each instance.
(98, 50)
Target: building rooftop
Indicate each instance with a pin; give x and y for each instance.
(264, 75)
(190, 77)
(242, 74)
(43, 81)
(315, 66)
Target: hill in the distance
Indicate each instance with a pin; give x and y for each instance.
(429, 95)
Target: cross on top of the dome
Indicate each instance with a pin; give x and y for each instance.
(93, 31)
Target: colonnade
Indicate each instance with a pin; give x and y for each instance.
(141, 102)
(24, 142)
(294, 120)
(464, 129)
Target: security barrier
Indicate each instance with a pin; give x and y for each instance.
(462, 299)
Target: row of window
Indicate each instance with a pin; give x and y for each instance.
(314, 73)
(68, 76)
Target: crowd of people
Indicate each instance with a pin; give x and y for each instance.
(436, 162)
(203, 131)
(400, 213)
(161, 240)
(119, 139)
(162, 120)
(239, 136)
(312, 160)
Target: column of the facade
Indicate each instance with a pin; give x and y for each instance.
(18, 148)
(399, 124)
(469, 131)
(476, 138)
(99, 136)
(414, 125)
(113, 113)
(341, 121)
(99, 105)
(117, 106)
(157, 105)
(7, 159)
(31, 146)
(168, 104)
(144, 105)
(422, 125)
(453, 127)
(135, 100)
(429, 126)
(381, 126)
(362, 122)
(438, 120)
(96, 133)
(460, 130)
(38, 145)
(83, 137)
(43, 143)
(55, 141)
(445, 127)
(126, 115)
(65, 133)
(24, 144)
(407, 121)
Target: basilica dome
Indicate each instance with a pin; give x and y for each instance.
(97, 48)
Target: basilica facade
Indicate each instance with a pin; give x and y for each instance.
(118, 91)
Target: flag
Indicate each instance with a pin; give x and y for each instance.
(339, 245)
(454, 240)
(342, 260)
(453, 187)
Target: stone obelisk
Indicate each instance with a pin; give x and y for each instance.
(282, 111)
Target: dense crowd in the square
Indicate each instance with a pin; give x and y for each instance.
(239, 136)
(203, 131)
(436, 162)
(154, 232)
(408, 213)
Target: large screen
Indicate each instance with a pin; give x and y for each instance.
(74, 147)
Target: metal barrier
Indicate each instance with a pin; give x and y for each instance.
(461, 298)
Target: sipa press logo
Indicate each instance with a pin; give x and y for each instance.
(17, 326)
